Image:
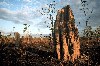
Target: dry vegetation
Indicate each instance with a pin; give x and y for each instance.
(40, 53)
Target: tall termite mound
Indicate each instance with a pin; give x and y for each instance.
(66, 38)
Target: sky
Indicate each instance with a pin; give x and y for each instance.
(15, 13)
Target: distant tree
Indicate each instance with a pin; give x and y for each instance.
(0, 35)
(26, 27)
(88, 31)
(13, 28)
(97, 31)
(49, 11)
(86, 10)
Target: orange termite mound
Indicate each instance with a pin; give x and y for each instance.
(67, 44)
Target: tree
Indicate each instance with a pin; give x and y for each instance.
(87, 31)
(50, 11)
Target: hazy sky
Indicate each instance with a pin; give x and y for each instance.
(15, 13)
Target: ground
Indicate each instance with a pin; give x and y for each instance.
(43, 55)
